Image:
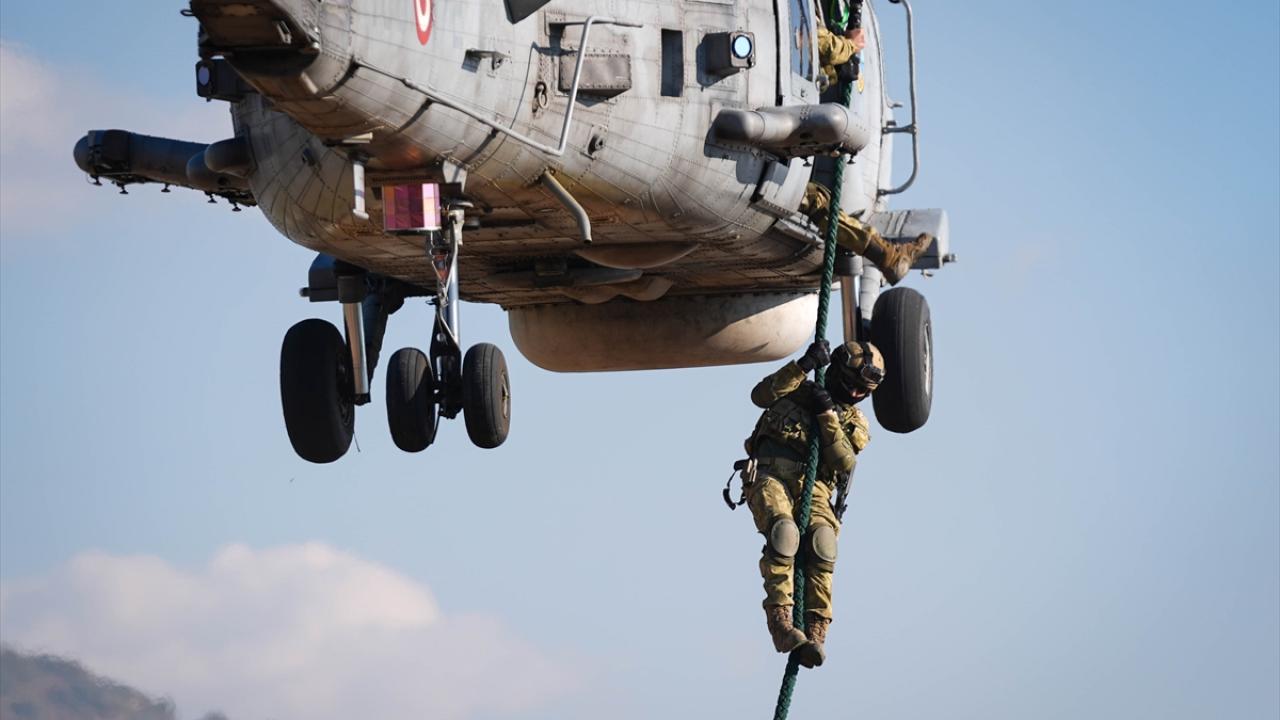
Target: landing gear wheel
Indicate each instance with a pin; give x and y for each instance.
(486, 395)
(411, 405)
(901, 328)
(315, 391)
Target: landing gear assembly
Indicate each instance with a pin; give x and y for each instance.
(901, 328)
(326, 373)
(316, 391)
(897, 322)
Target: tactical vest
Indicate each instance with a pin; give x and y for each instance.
(783, 432)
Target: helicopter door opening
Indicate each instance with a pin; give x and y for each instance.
(782, 182)
(797, 53)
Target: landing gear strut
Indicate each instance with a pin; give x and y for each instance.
(323, 375)
(476, 385)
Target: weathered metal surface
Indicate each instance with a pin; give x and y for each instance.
(459, 96)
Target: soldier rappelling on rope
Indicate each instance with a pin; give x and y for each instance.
(774, 479)
(805, 445)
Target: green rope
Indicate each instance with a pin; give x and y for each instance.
(838, 14)
(811, 468)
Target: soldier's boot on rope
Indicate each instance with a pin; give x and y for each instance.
(813, 653)
(786, 636)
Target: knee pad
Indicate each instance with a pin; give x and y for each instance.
(822, 543)
(783, 539)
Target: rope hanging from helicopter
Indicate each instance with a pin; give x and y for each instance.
(838, 17)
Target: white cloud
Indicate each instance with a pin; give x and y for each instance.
(26, 89)
(45, 108)
(301, 631)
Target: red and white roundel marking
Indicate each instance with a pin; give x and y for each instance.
(422, 13)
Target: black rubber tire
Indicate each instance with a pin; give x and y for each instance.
(315, 391)
(411, 405)
(902, 330)
(486, 395)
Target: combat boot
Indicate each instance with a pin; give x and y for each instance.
(812, 654)
(786, 637)
(895, 259)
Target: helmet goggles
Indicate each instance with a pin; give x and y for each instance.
(860, 371)
(869, 373)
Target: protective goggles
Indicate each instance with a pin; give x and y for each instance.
(869, 374)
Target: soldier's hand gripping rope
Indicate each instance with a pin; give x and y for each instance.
(817, 356)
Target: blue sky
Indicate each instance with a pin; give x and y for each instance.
(1089, 525)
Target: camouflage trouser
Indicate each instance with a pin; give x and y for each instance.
(770, 498)
(851, 234)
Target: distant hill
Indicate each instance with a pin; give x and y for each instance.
(45, 687)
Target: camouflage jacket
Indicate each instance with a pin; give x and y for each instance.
(783, 429)
(833, 50)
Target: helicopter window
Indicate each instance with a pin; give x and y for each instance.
(672, 63)
(801, 39)
(518, 10)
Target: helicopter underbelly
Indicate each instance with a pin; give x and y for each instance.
(715, 242)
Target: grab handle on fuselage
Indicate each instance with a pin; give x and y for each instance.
(912, 129)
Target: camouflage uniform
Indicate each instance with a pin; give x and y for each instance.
(834, 50)
(780, 444)
(893, 258)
